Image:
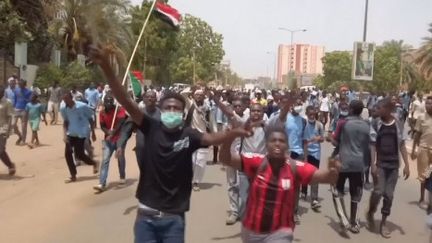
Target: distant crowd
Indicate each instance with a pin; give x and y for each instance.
(269, 140)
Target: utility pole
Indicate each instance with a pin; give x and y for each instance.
(193, 59)
(145, 57)
(365, 21)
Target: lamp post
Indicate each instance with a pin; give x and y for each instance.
(292, 32)
(365, 20)
(291, 53)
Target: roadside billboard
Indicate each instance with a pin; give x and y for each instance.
(363, 61)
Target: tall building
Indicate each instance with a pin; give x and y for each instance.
(300, 58)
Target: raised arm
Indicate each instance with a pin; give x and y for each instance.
(226, 110)
(125, 133)
(101, 58)
(329, 175)
(228, 158)
(185, 93)
(225, 136)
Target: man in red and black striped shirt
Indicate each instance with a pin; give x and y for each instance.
(274, 178)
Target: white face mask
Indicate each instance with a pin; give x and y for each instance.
(344, 113)
(298, 109)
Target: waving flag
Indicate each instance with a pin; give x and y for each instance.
(168, 14)
(136, 80)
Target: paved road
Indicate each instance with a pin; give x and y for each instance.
(36, 206)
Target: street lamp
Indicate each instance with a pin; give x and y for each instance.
(292, 32)
(365, 20)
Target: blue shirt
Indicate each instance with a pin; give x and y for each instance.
(34, 111)
(294, 130)
(10, 95)
(22, 97)
(406, 102)
(351, 96)
(312, 130)
(79, 117)
(92, 97)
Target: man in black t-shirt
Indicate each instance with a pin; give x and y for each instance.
(387, 141)
(165, 183)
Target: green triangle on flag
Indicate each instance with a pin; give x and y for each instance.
(135, 80)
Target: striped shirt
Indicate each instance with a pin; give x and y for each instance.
(271, 201)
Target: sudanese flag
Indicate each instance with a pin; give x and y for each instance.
(136, 80)
(168, 14)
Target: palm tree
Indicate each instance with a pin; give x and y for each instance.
(424, 55)
(79, 23)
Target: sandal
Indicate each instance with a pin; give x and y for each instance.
(70, 180)
(384, 231)
(12, 170)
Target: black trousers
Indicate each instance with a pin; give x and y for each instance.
(356, 192)
(296, 156)
(304, 188)
(384, 187)
(76, 145)
(355, 185)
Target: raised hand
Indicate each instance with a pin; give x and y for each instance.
(98, 55)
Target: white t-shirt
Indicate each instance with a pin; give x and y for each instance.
(418, 108)
(324, 104)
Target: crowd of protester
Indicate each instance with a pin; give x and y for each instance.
(270, 142)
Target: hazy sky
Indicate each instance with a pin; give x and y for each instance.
(250, 27)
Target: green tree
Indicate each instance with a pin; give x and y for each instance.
(12, 27)
(156, 50)
(319, 82)
(47, 74)
(36, 16)
(226, 76)
(336, 67)
(81, 22)
(411, 73)
(387, 65)
(68, 76)
(387, 69)
(200, 51)
(424, 56)
(75, 74)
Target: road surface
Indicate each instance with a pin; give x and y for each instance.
(37, 206)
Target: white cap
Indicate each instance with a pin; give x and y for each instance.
(199, 91)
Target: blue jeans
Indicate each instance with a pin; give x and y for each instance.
(152, 229)
(108, 149)
(243, 193)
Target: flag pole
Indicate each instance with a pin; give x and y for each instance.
(133, 55)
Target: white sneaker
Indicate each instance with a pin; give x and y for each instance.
(195, 187)
(315, 205)
(99, 188)
(232, 219)
(122, 181)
